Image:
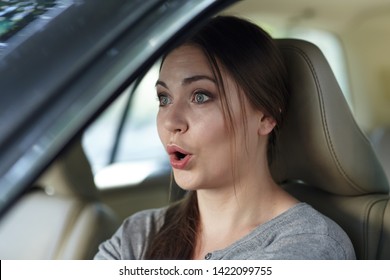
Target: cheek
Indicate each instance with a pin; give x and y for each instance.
(214, 139)
(210, 126)
(160, 130)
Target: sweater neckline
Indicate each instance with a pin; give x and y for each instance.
(216, 254)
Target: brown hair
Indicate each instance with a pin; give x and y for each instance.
(251, 58)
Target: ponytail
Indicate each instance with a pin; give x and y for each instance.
(176, 238)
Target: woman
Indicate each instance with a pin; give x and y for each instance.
(222, 97)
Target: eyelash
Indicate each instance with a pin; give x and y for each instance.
(207, 94)
(159, 99)
(201, 92)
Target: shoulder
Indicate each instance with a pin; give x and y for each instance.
(145, 220)
(304, 233)
(304, 219)
(142, 225)
(299, 233)
(132, 238)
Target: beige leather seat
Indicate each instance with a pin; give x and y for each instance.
(384, 243)
(61, 218)
(380, 139)
(325, 159)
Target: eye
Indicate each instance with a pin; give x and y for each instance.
(201, 97)
(163, 100)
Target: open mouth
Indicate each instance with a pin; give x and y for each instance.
(179, 158)
(179, 155)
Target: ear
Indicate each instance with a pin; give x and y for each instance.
(266, 125)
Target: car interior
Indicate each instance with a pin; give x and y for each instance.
(333, 151)
(342, 179)
(63, 213)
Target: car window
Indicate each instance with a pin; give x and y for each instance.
(125, 136)
(24, 18)
(139, 140)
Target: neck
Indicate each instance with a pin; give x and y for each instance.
(239, 205)
(228, 214)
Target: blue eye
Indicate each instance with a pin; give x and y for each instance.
(201, 97)
(164, 100)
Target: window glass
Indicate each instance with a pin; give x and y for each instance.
(139, 140)
(17, 14)
(99, 138)
(138, 146)
(24, 18)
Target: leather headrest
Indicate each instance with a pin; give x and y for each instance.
(70, 175)
(320, 142)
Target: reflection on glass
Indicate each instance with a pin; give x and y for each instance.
(15, 15)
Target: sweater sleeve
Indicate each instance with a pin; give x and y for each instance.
(110, 249)
(131, 240)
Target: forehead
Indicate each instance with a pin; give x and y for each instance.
(185, 61)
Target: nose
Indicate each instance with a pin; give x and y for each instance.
(174, 118)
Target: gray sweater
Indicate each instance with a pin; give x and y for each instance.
(299, 233)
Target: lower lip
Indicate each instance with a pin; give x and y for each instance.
(180, 164)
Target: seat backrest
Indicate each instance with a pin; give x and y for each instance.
(380, 139)
(384, 248)
(62, 217)
(323, 157)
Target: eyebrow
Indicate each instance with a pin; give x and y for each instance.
(196, 78)
(189, 80)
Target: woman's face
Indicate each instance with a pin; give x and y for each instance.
(191, 122)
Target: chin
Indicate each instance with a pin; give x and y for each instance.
(187, 186)
(186, 181)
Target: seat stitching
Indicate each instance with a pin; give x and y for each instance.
(381, 230)
(324, 119)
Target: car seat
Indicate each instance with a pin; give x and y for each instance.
(61, 217)
(380, 139)
(323, 157)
